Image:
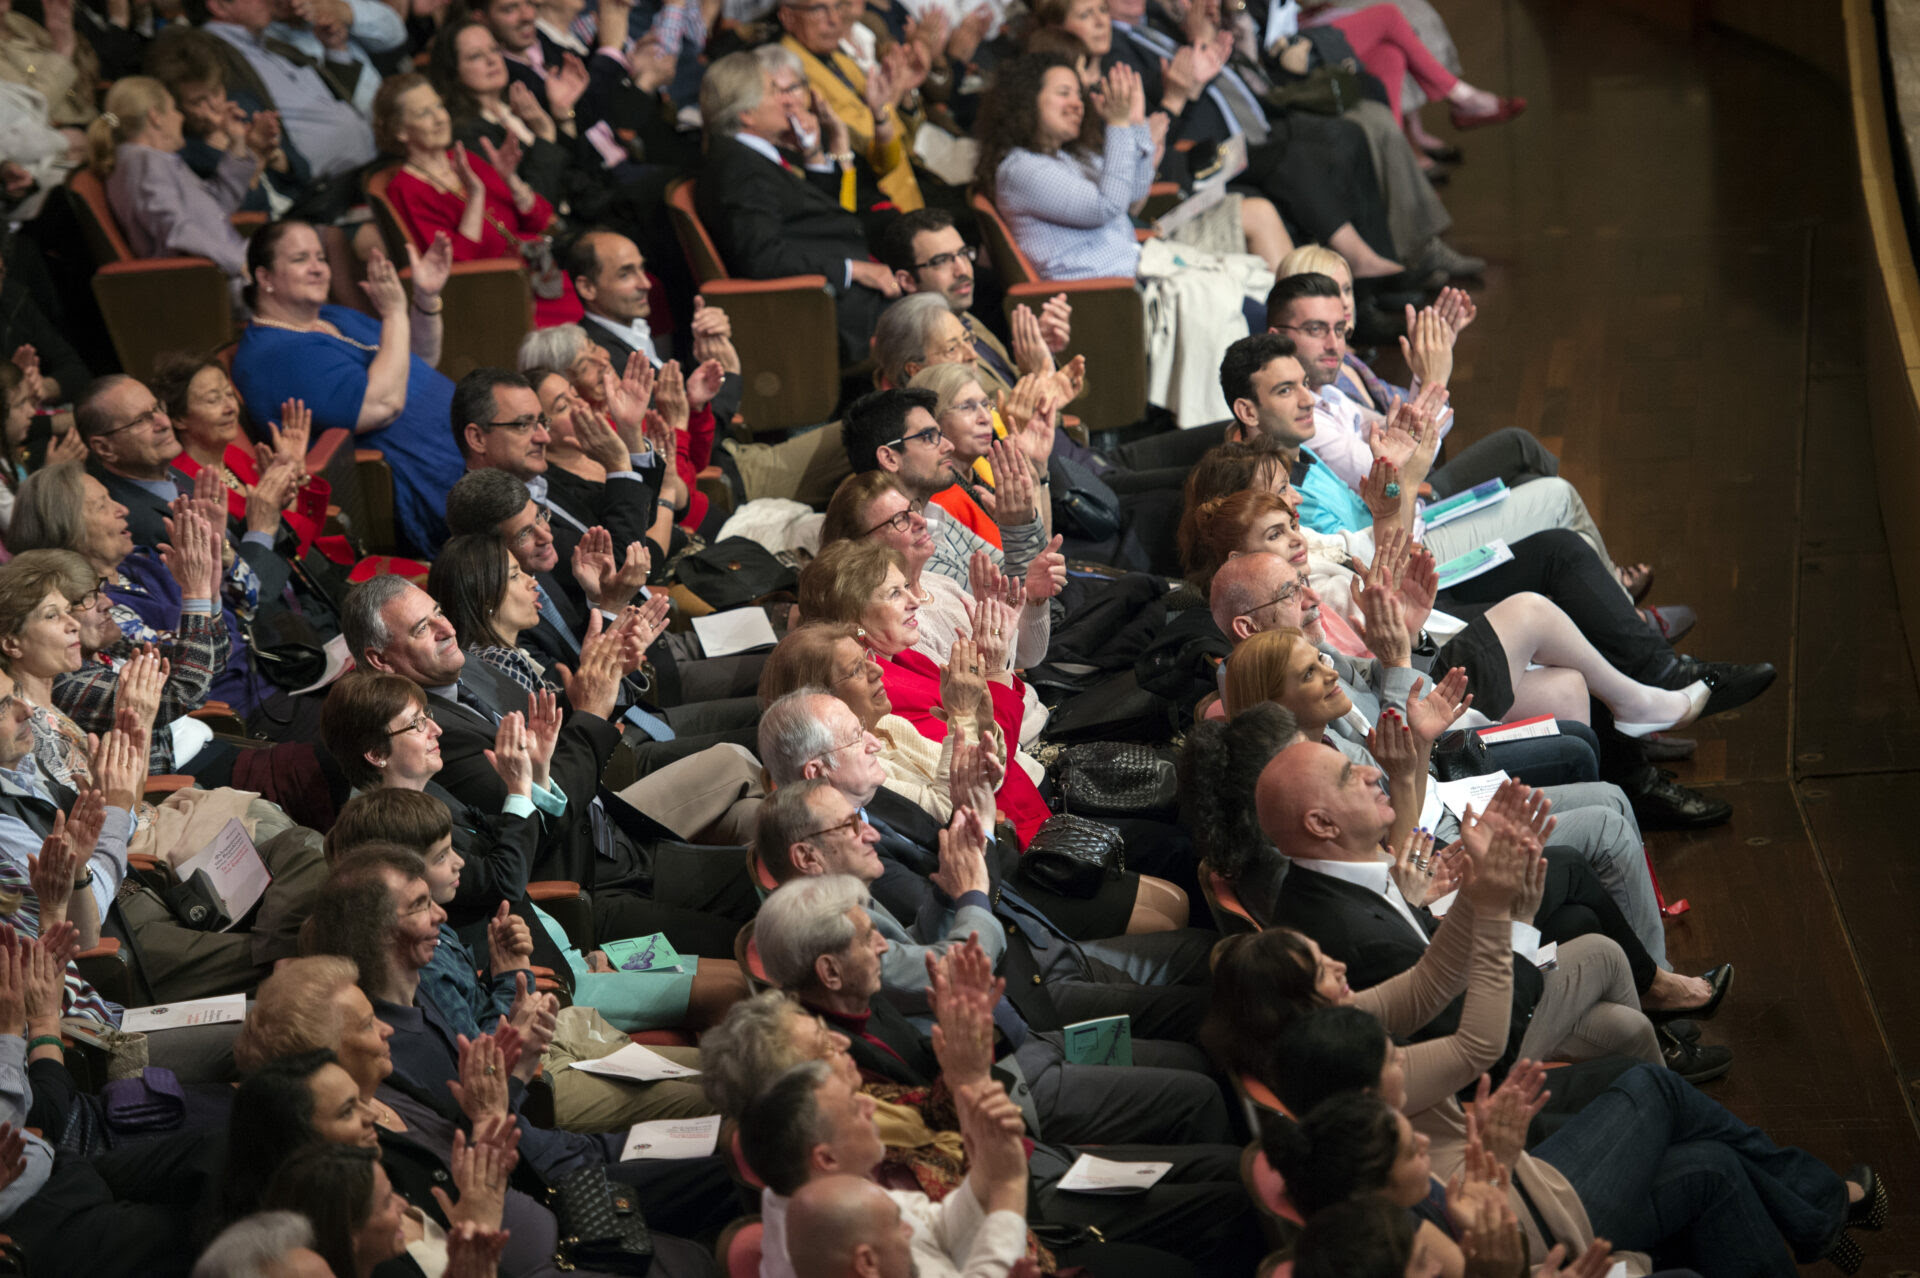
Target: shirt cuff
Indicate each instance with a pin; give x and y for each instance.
(258, 539)
(974, 897)
(202, 606)
(550, 798)
(849, 283)
(518, 805)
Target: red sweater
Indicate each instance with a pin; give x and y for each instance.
(913, 685)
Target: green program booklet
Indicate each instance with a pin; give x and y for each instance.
(644, 954)
(1107, 1041)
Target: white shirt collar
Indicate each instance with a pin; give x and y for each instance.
(634, 333)
(760, 144)
(1375, 876)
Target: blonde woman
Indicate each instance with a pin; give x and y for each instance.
(163, 207)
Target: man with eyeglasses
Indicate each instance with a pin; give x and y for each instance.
(499, 425)
(770, 216)
(881, 131)
(131, 446)
(895, 431)
(926, 253)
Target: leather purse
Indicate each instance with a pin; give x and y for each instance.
(1073, 856)
(1460, 754)
(733, 572)
(601, 1227)
(1114, 778)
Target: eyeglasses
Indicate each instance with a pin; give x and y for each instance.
(1318, 328)
(941, 261)
(868, 671)
(981, 405)
(1288, 593)
(794, 86)
(953, 352)
(849, 826)
(833, 750)
(542, 518)
(148, 418)
(88, 602)
(898, 522)
(418, 723)
(927, 436)
(520, 425)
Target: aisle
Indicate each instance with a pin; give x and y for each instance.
(1673, 307)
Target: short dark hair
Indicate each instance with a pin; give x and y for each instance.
(411, 818)
(879, 419)
(480, 499)
(582, 262)
(1365, 1237)
(172, 377)
(896, 242)
(1344, 1147)
(779, 1130)
(473, 399)
(261, 247)
(1248, 356)
(1328, 1051)
(1289, 289)
(354, 718)
(90, 416)
(467, 580)
(332, 1186)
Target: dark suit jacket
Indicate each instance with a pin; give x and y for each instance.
(146, 514)
(1360, 929)
(724, 405)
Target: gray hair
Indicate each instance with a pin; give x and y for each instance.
(49, 511)
(748, 1050)
(904, 333)
(778, 57)
(945, 380)
(254, 1246)
(1241, 586)
(732, 87)
(792, 734)
(555, 347)
(784, 819)
(362, 614)
(803, 920)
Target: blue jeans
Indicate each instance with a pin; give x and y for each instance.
(1663, 1169)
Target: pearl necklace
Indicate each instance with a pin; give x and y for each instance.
(295, 328)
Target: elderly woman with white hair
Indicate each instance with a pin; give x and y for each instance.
(583, 396)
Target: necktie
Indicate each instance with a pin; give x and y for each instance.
(550, 614)
(339, 77)
(466, 697)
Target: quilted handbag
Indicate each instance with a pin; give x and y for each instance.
(1114, 778)
(1072, 855)
(601, 1227)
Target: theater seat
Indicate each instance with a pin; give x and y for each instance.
(489, 304)
(1109, 325)
(1280, 1220)
(1229, 915)
(150, 305)
(747, 954)
(569, 907)
(784, 329)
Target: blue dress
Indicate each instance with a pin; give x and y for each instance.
(273, 365)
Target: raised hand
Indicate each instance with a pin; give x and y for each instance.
(474, 1251)
(596, 688)
(610, 585)
(993, 636)
(543, 734)
(1413, 866)
(13, 1154)
(510, 757)
(1396, 439)
(505, 158)
(509, 942)
(1056, 323)
(1396, 747)
(1384, 625)
(627, 397)
(966, 38)
(1047, 574)
(566, 83)
(480, 1174)
(1014, 499)
(1428, 346)
(53, 871)
(640, 626)
(13, 979)
(670, 399)
(971, 781)
(382, 285)
(1456, 307)
(704, 382)
(1419, 586)
(1031, 354)
(1430, 715)
(481, 1089)
(963, 684)
(431, 268)
(961, 993)
(1118, 97)
(1381, 489)
(534, 1016)
(713, 336)
(1595, 1262)
(119, 764)
(1500, 1116)
(292, 435)
(142, 681)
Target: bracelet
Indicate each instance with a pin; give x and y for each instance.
(841, 158)
(568, 117)
(84, 883)
(46, 1040)
(424, 311)
(1045, 481)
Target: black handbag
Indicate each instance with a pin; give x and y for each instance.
(600, 1224)
(1072, 856)
(285, 648)
(734, 572)
(1114, 778)
(1460, 754)
(1082, 503)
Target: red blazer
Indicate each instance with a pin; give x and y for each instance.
(912, 681)
(308, 514)
(424, 209)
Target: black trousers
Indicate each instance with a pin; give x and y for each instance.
(131, 1211)
(1511, 454)
(1199, 1210)
(1318, 171)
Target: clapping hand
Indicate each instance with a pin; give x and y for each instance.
(961, 993)
(430, 270)
(13, 1154)
(626, 398)
(670, 400)
(480, 1171)
(510, 756)
(963, 855)
(543, 734)
(993, 624)
(566, 83)
(382, 285)
(119, 764)
(1432, 714)
(52, 872)
(972, 780)
(1013, 500)
(481, 1089)
(509, 942)
(963, 687)
(1501, 1115)
(1047, 574)
(1056, 323)
(1456, 307)
(713, 336)
(1594, 1262)
(1031, 354)
(534, 1016)
(610, 586)
(142, 681)
(1428, 346)
(1397, 437)
(474, 1251)
(292, 435)
(191, 553)
(704, 382)
(1413, 866)
(596, 688)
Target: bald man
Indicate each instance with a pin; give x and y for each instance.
(1329, 815)
(844, 1225)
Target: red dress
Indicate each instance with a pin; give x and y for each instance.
(424, 208)
(308, 514)
(912, 681)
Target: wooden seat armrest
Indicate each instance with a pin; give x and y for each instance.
(553, 890)
(109, 947)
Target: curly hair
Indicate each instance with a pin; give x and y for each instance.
(1219, 770)
(1213, 530)
(1010, 112)
(293, 1011)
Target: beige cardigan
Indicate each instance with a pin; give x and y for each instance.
(1471, 953)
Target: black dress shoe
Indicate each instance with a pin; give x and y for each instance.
(1696, 1062)
(1661, 803)
(1732, 684)
(1661, 748)
(1720, 979)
